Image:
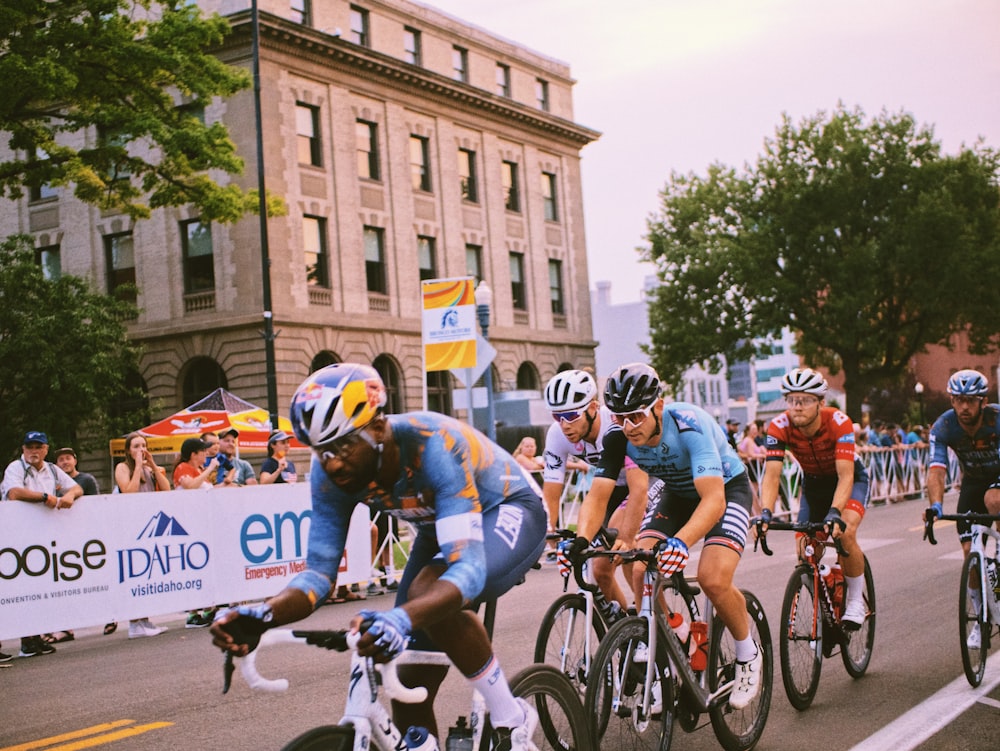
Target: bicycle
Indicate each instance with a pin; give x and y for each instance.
(367, 724)
(984, 615)
(646, 676)
(811, 611)
(575, 623)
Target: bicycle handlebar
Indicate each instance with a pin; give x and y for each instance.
(807, 528)
(984, 519)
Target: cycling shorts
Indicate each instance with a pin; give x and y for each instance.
(818, 490)
(673, 511)
(970, 498)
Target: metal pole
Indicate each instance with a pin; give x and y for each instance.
(483, 312)
(265, 258)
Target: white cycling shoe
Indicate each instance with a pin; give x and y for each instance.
(975, 638)
(747, 684)
(854, 615)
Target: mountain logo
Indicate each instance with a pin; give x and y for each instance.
(162, 525)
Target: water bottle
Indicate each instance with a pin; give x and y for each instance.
(994, 576)
(419, 739)
(459, 737)
(680, 627)
(699, 645)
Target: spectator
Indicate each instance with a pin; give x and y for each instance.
(732, 432)
(277, 467)
(138, 473)
(761, 439)
(191, 471)
(225, 469)
(243, 473)
(526, 455)
(31, 479)
(66, 460)
(753, 455)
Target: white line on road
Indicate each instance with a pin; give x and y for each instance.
(913, 728)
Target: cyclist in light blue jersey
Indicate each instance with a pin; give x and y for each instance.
(479, 523)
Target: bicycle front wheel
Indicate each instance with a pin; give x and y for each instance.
(616, 706)
(562, 725)
(972, 621)
(562, 639)
(800, 640)
(740, 729)
(326, 738)
(856, 650)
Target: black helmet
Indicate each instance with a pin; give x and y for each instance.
(632, 387)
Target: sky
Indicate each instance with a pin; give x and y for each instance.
(676, 85)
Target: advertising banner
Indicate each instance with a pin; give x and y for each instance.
(116, 557)
(449, 323)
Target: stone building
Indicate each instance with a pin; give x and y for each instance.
(407, 145)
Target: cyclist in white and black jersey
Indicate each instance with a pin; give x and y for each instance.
(578, 431)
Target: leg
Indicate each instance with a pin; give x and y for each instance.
(715, 576)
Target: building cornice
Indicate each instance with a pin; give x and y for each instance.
(293, 39)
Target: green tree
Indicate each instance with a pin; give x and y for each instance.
(858, 234)
(107, 96)
(65, 356)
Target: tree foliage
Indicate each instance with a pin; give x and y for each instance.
(65, 356)
(90, 93)
(858, 234)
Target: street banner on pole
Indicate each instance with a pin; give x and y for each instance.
(449, 323)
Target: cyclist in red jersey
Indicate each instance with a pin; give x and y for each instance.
(835, 482)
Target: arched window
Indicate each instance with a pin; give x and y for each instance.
(322, 359)
(527, 377)
(439, 391)
(389, 370)
(565, 366)
(202, 376)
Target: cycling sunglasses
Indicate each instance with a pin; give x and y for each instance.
(341, 447)
(635, 419)
(571, 416)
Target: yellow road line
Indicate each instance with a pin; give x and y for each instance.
(95, 735)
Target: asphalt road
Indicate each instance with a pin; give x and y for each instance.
(165, 692)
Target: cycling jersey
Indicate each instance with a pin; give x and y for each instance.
(692, 445)
(558, 449)
(978, 454)
(450, 476)
(816, 454)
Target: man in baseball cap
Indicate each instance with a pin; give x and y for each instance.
(244, 474)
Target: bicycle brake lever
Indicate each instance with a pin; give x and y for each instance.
(227, 672)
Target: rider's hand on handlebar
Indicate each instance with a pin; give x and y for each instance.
(934, 511)
(237, 630)
(671, 556)
(763, 521)
(834, 523)
(387, 636)
(567, 553)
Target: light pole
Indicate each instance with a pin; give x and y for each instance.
(919, 389)
(484, 299)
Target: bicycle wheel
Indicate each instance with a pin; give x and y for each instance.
(614, 703)
(562, 725)
(562, 638)
(856, 649)
(326, 738)
(740, 729)
(800, 639)
(971, 617)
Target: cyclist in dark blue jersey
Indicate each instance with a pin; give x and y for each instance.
(480, 526)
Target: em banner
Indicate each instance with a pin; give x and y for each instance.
(449, 323)
(116, 557)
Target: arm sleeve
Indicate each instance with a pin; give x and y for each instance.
(612, 455)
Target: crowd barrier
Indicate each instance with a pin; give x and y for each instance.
(115, 557)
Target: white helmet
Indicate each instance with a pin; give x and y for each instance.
(804, 381)
(570, 389)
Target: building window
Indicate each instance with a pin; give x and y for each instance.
(203, 376)
(314, 250)
(425, 256)
(307, 130)
(193, 109)
(467, 174)
(199, 260)
(439, 391)
(420, 163)
(48, 258)
(474, 262)
(117, 146)
(411, 46)
(517, 288)
(302, 12)
(556, 287)
(527, 377)
(43, 192)
(460, 64)
(511, 192)
(119, 255)
(359, 27)
(542, 94)
(366, 134)
(503, 80)
(549, 196)
(375, 259)
(393, 381)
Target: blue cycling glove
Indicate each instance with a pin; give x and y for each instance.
(253, 621)
(764, 520)
(671, 556)
(833, 520)
(934, 511)
(567, 552)
(391, 629)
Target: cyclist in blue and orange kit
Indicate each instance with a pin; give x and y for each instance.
(971, 428)
(480, 526)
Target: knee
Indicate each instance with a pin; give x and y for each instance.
(992, 500)
(714, 583)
